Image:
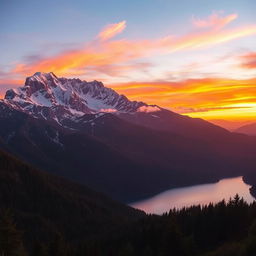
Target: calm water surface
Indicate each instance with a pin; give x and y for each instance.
(200, 194)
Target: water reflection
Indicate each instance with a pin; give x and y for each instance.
(200, 194)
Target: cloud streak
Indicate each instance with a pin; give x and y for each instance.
(6, 84)
(194, 96)
(110, 58)
(106, 51)
(112, 30)
(214, 20)
(148, 109)
(248, 60)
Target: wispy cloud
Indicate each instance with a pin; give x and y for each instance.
(195, 95)
(112, 30)
(248, 60)
(195, 110)
(6, 84)
(104, 51)
(215, 20)
(109, 58)
(148, 109)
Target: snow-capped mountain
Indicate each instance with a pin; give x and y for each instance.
(82, 105)
(127, 149)
(44, 95)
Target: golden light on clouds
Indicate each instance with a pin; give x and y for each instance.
(207, 98)
(102, 52)
(108, 59)
(249, 60)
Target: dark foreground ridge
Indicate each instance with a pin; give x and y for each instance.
(42, 215)
(45, 206)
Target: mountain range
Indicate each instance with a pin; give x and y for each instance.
(249, 129)
(90, 134)
(229, 125)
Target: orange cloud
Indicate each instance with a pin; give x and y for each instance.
(207, 97)
(206, 38)
(214, 20)
(110, 53)
(249, 60)
(6, 84)
(112, 30)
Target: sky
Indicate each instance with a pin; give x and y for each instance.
(195, 57)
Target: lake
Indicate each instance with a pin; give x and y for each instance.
(193, 195)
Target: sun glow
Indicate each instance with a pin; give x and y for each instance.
(206, 98)
(210, 87)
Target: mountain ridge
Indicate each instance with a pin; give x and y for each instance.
(38, 199)
(248, 129)
(72, 97)
(126, 154)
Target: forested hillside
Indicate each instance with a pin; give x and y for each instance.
(216, 230)
(45, 206)
(46, 215)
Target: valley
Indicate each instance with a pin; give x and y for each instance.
(127, 128)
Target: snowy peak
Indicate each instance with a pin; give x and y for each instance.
(44, 95)
(43, 79)
(47, 90)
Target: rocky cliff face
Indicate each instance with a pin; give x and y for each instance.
(46, 96)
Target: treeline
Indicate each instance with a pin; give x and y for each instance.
(223, 229)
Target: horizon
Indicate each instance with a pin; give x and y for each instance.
(197, 60)
(128, 127)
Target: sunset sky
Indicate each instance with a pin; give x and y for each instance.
(194, 57)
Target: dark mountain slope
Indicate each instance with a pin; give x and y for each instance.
(45, 204)
(124, 160)
(249, 129)
(78, 156)
(63, 126)
(88, 223)
(166, 120)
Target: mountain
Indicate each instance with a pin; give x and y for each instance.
(229, 125)
(45, 204)
(76, 104)
(48, 97)
(127, 149)
(249, 129)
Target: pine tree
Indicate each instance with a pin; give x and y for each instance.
(39, 249)
(11, 243)
(58, 247)
(127, 250)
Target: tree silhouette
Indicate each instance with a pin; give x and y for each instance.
(58, 247)
(39, 249)
(11, 243)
